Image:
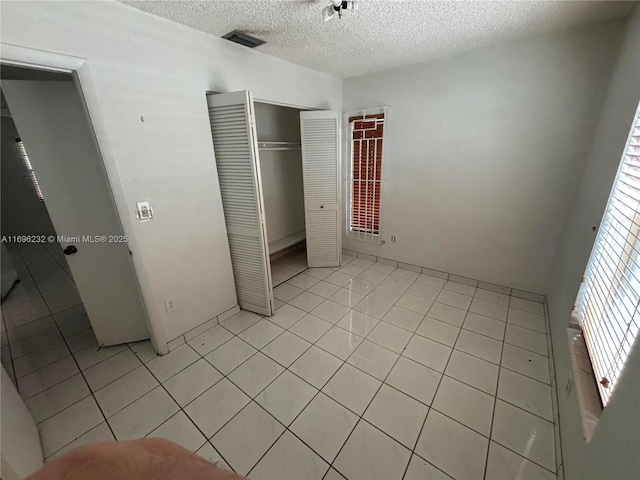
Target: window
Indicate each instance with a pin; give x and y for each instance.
(27, 164)
(609, 300)
(366, 132)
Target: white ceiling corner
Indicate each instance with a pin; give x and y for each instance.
(380, 34)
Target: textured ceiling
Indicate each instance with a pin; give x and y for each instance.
(380, 34)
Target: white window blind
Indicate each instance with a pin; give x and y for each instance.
(27, 164)
(365, 159)
(607, 305)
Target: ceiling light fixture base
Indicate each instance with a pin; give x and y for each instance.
(337, 6)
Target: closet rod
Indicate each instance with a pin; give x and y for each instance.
(279, 145)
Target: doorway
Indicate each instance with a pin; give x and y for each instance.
(43, 316)
(63, 223)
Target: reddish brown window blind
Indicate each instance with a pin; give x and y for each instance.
(367, 137)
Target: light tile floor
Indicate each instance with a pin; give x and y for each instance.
(288, 266)
(365, 371)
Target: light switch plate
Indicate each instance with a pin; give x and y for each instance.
(144, 211)
(170, 305)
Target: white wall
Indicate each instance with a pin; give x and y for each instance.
(483, 152)
(143, 66)
(281, 171)
(22, 211)
(276, 123)
(613, 451)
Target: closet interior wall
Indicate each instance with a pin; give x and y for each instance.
(278, 131)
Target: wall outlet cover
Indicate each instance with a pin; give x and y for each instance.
(170, 305)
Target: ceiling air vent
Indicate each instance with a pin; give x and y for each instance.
(243, 39)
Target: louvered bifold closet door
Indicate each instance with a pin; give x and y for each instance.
(321, 174)
(236, 153)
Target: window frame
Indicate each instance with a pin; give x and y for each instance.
(372, 234)
(608, 302)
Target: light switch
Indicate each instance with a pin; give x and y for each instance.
(144, 211)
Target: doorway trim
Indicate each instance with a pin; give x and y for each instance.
(78, 67)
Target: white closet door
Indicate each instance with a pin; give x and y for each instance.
(233, 129)
(321, 174)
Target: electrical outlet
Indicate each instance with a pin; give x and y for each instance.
(169, 305)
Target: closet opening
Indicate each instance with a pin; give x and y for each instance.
(278, 170)
(279, 146)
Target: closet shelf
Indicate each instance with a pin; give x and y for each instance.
(279, 145)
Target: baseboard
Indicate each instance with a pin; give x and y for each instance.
(534, 297)
(200, 329)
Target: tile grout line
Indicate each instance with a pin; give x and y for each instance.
(83, 377)
(180, 408)
(80, 370)
(346, 361)
(499, 365)
(45, 304)
(263, 347)
(81, 373)
(435, 393)
(287, 368)
(476, 281)
(71, 352)
(493, 413)
(460, 330)
(317, 393)
(496, 398)
(554, 392)
(361, 416)
(252, 399)
(13, 364)
(453, 347)
(343, 362)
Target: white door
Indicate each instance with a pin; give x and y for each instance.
(233, 129)
(321, 174)
(21, 450)
(60, 143)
